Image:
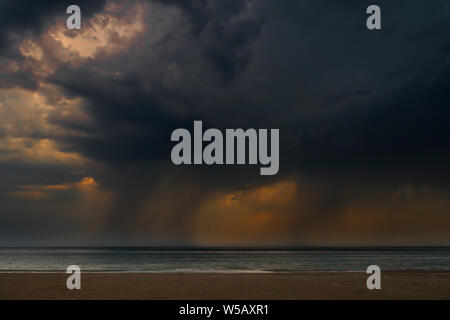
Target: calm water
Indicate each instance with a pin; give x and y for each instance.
(151, 260)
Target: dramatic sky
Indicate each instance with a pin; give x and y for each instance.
(86, 118)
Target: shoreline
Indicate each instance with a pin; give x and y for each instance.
(431, 284)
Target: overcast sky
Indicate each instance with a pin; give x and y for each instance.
(86, 118)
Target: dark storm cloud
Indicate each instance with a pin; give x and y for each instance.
(331, 93)
(340, 94)
(136, 112)
(371, 97)
(131, 125)
(19, 19)
(28, 16)
(359, 111)
(226, 29)
(415, 122)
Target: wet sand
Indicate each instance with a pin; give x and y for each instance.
(286, 286)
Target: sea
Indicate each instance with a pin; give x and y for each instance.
(222, 260)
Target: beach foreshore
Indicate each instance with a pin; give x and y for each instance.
(234, 286)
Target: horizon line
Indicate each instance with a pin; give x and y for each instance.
(236, 248)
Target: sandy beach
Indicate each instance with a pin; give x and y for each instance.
(299, 285)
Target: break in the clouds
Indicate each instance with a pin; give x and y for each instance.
(86, 118)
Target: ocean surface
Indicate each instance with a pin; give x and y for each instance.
(222, 260)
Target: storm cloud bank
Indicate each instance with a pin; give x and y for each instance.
(86, 118)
